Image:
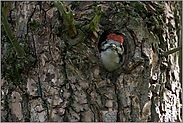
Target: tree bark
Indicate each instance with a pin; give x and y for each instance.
(68, 82)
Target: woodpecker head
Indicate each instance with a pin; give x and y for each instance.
(111, 51)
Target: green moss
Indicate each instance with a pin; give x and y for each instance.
(27, 36)
(175, 56)
(12, 66)
(75, 4)
(176, 18)
(113, 5)
(81, 118)
(6, 106)
(66, 119)
(10, 70)
(96, 3)
(34, 25)
(139, 8)
(45, 107)
(6, 102)
(17, 75)
(64, 82)
(26, 107)
(45, 104)
(56, 30)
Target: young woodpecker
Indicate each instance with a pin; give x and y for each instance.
(110, 51)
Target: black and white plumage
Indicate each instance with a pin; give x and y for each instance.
(110, 52)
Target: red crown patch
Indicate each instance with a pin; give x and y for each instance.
(115, 37)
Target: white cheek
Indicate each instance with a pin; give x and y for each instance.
(106, 45)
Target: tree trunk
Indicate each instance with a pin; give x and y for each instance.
(68, 83)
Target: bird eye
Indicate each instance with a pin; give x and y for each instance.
(113, 45)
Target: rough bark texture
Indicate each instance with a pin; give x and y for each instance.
(146, 88)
